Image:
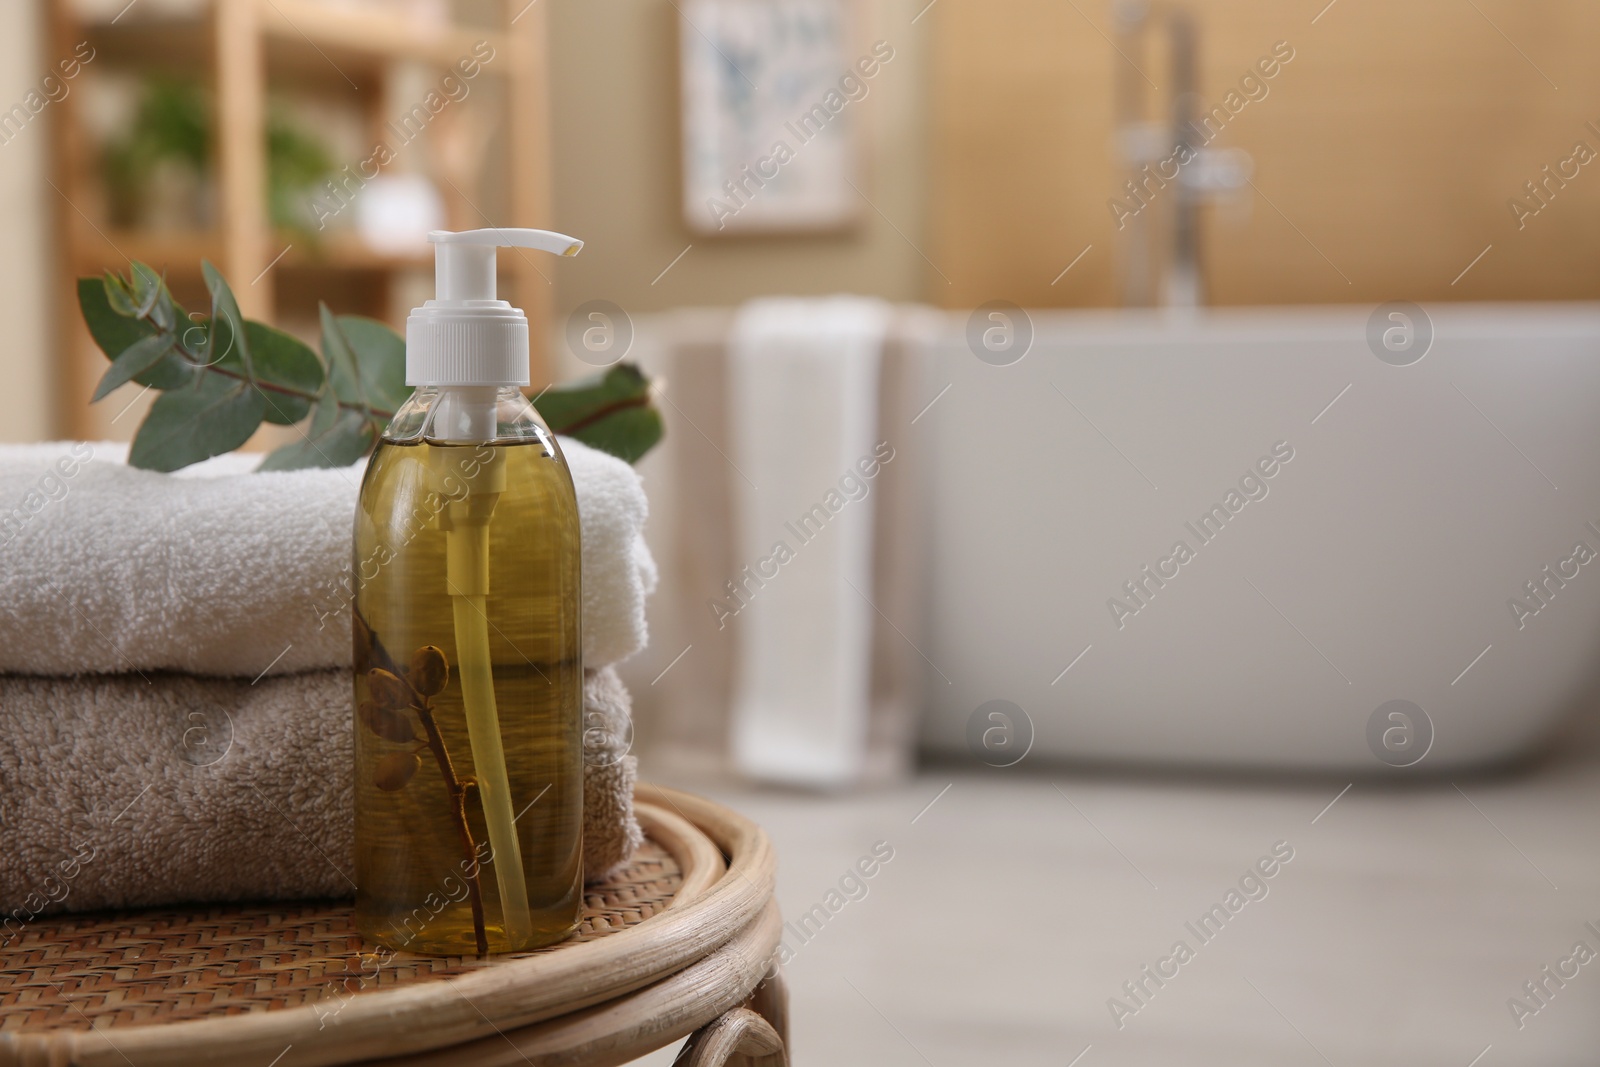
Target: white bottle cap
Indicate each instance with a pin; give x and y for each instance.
(465, 335)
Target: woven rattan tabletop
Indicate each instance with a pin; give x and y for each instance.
(168, 965)
(681, 934)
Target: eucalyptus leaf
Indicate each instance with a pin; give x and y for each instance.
(343, 441)
(135, 360)
(165, 313)
(146, 289)
(573, 403)
(111, 330)
(325, 413)
(115, 334)
(120, 298)
(380, 352)
(287, 362)
(344, 372)
(225, 309)
(611, 411)
(184, 426)
(627, 433)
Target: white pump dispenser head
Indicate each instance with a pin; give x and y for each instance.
(466, 336)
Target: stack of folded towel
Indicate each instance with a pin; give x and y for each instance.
(175, 719)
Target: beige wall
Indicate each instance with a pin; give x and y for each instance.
(1385, 153)
(25, 277)
(616, 184)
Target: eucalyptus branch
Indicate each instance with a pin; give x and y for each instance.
(340, 399)
(193, 359)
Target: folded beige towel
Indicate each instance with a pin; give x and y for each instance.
(117, 792)
(610, 832)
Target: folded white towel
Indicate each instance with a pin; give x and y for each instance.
(803, 410)
(219, 571)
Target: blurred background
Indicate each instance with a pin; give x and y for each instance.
(1107, 262)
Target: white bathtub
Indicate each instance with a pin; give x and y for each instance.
(1380, 565)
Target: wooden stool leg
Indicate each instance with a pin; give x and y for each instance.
(755, 1035)
(739, 1036)
(770, 1001)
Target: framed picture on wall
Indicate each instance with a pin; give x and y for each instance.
(771, 101)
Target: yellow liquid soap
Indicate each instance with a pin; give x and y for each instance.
(491, 636)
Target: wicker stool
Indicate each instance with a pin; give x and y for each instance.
(681, 942)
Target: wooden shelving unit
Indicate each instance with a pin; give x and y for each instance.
(243, 49)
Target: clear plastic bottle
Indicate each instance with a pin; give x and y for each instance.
(468, 652)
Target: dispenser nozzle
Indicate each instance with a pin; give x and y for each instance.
(495, 236)
(464, 260)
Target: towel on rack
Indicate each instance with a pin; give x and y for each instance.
(117, 791)
(803, 404)
(220, 571)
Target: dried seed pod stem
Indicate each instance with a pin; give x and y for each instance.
(377, 658)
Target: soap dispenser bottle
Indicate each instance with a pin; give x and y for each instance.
(468, 660)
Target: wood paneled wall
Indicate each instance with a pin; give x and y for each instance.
(1385, 152)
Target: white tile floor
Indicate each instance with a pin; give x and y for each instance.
(1018, 904)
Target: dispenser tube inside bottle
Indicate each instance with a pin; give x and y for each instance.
(466, 521)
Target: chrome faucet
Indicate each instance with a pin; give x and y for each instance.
(1170, 172)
